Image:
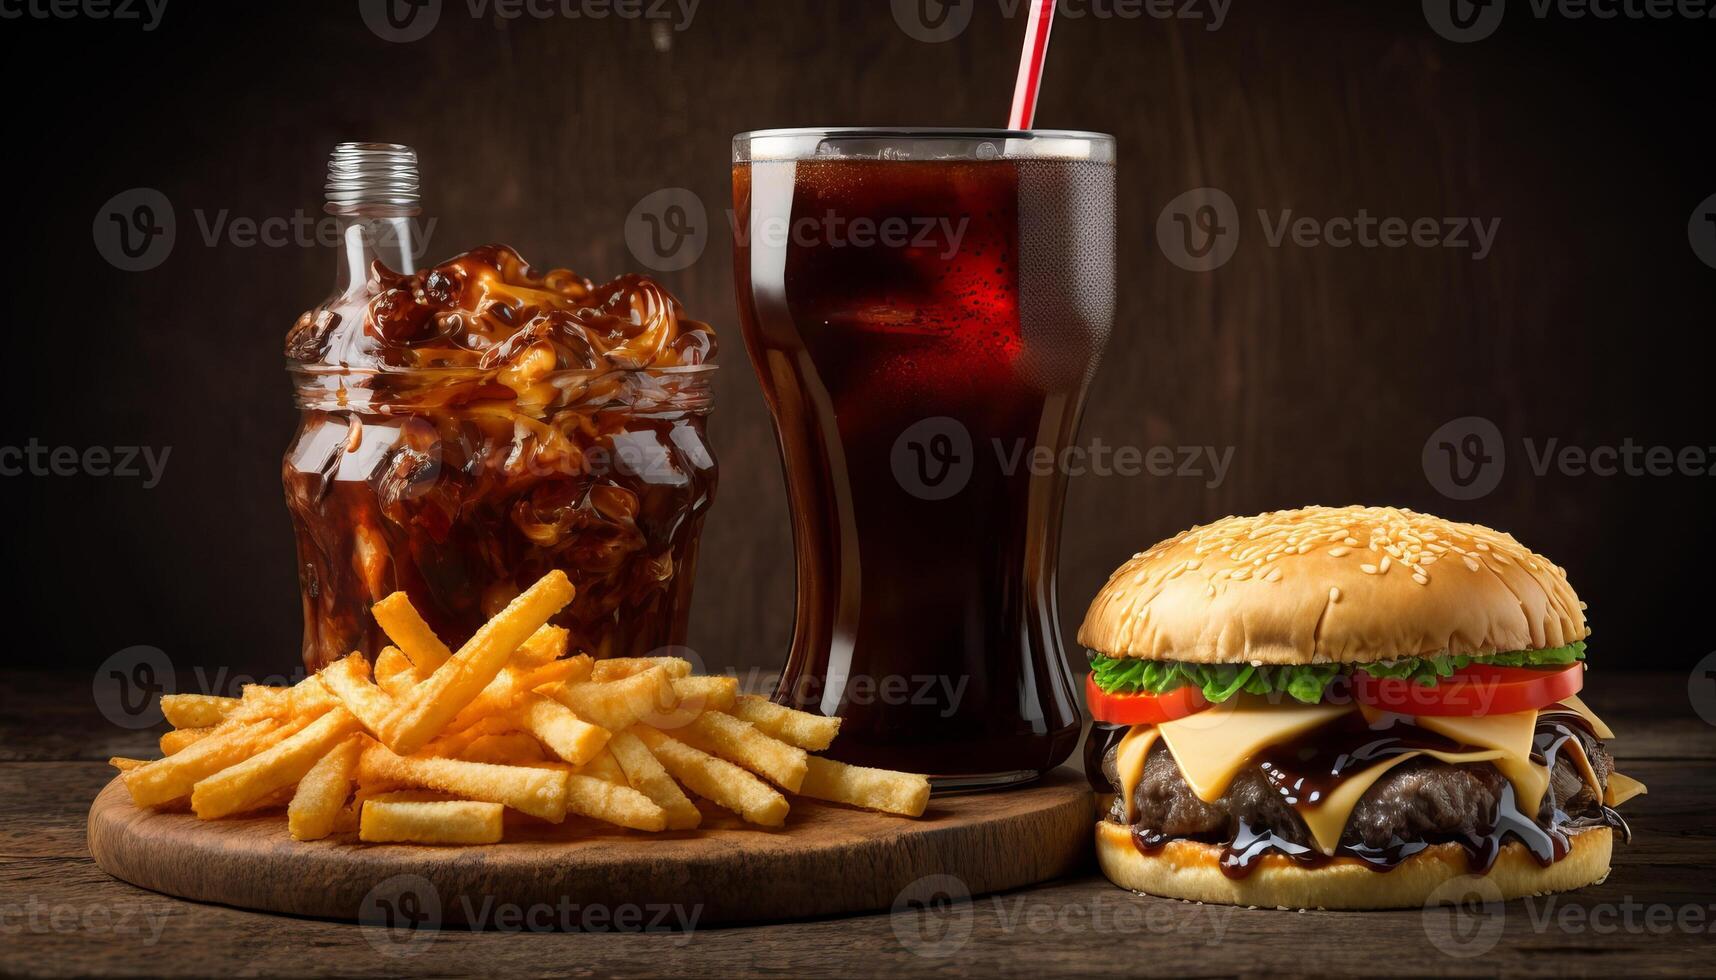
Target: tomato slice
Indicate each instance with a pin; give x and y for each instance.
(1141, 708)
(1478, 689)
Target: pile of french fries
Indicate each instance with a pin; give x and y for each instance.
(430, 746)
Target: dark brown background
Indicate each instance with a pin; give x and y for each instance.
(1326, 369)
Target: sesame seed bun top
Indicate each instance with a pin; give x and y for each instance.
(1333, 585)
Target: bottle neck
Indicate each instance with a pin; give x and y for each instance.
(373, 193)
(385, 235)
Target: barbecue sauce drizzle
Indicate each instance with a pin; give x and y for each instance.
(1308, 769)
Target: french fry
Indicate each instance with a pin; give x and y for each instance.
(695, 696)
(434, 822)
(800, 728)
(196, 710)
(737, 741)
(399, 619)
(616, 705)
(606, 768)
(716, 779)
(123, 764)
(556, 727)
(647, 776)
(617, 667)
(545, 646)
(436, 701)
(233, 789)
(452, 745)
(871, 789)
(321, 794)
(177, 740)
(311, 698)
(276, 800)
(349, 679)
(262, 701)
(713, 693)
(615, 804)
(512, 685)
(394, 672)
(538, 792)
(509, 749)
(165, 780)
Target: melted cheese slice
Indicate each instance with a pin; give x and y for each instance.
(1622, 788)
(1129, 758)
(1327, 820)
(1577, 706)
(1212, 746)
(1510, 737)
(1582, 762)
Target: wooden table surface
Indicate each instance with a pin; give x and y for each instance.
(60, 915)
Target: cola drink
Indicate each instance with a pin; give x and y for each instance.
(469, 427)
(925, 311)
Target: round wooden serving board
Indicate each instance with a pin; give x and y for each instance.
(828, 860)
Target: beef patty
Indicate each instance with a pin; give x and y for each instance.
(1416, 800)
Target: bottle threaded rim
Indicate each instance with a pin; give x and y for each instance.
(373, 174)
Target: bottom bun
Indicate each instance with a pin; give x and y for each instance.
(1191, 871)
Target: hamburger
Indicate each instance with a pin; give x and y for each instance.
(1345, 708)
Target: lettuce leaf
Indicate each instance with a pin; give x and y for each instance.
(1305, 683)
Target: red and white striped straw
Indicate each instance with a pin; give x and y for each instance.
(1031, 64)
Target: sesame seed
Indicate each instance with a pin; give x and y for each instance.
(1368, 568)
(1339, 552)
(1334, 594)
